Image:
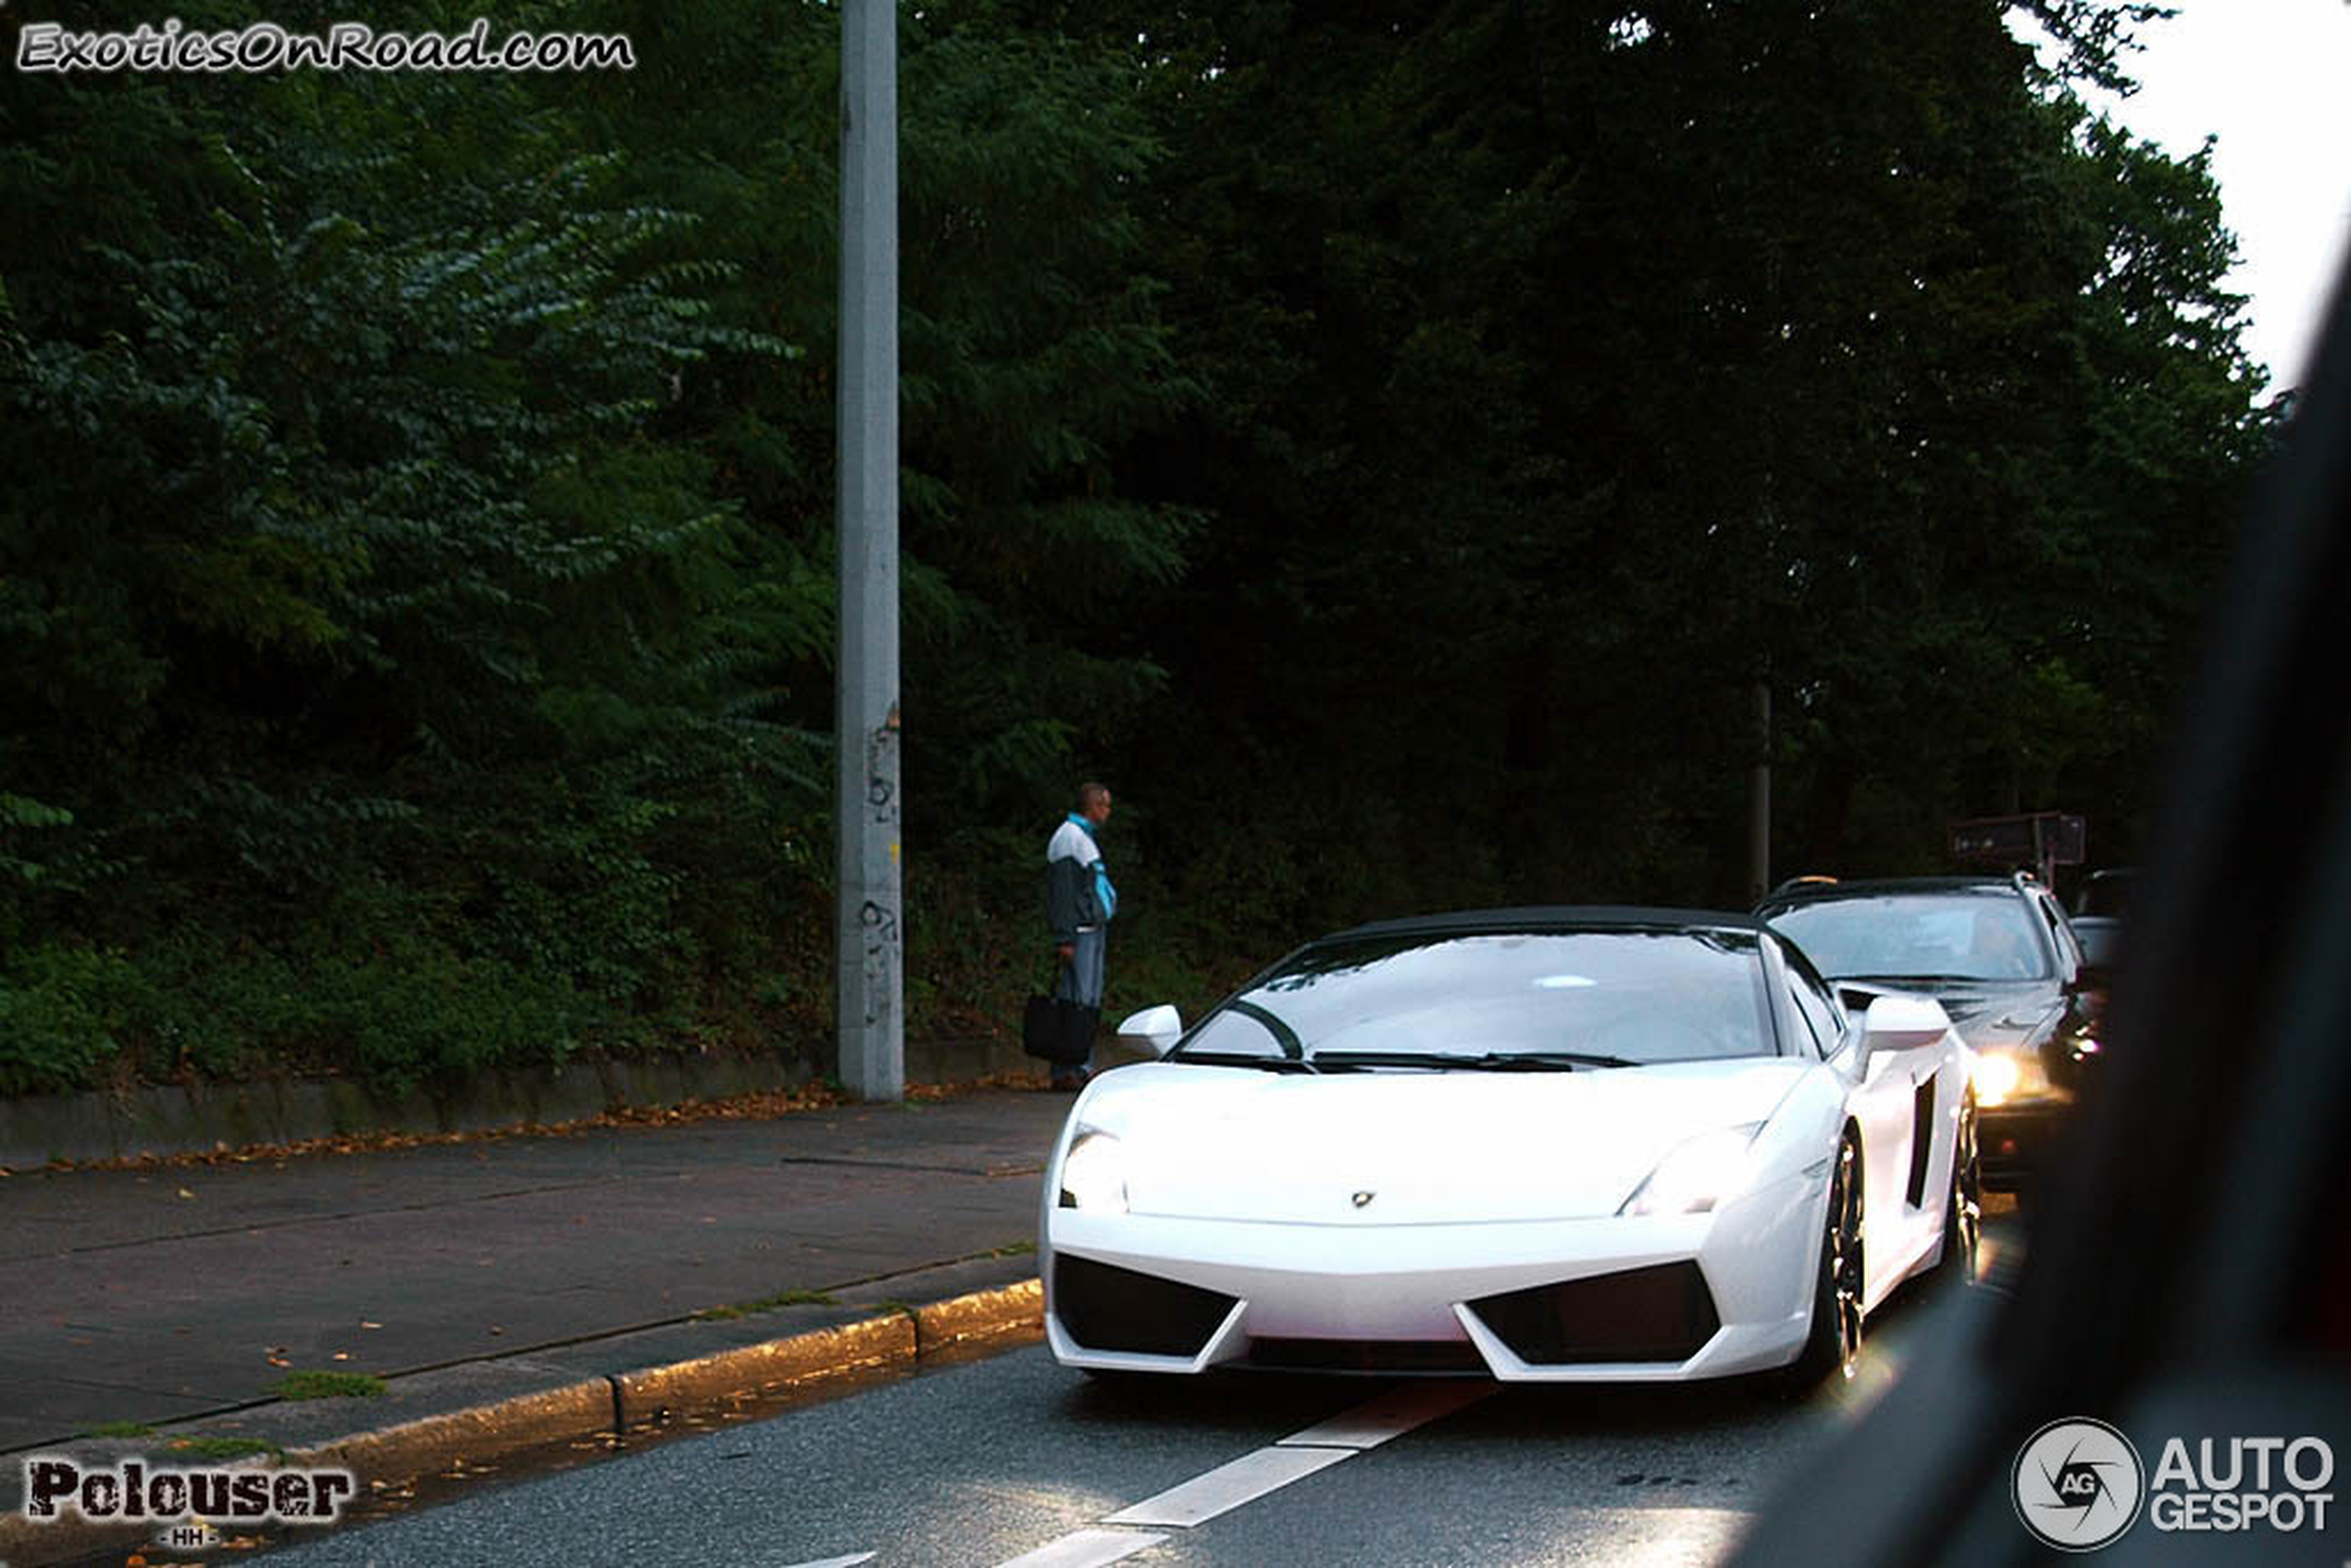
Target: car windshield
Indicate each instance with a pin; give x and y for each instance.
(1561, 999)
(1921, 936)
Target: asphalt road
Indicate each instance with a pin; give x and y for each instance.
(984, 1462)
(981, 1463)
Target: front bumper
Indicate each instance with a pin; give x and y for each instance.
(1608, 1300)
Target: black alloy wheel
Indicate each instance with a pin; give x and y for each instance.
(1963, 1216)
(1834, 1343)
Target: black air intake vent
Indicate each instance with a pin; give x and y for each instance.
(1646, 1314)
(1106, 1307)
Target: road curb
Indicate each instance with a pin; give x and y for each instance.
(162, 1121)
(609, 1405)
(654, 1396)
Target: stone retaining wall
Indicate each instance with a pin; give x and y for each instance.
(172, 1118)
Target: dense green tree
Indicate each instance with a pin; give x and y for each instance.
(1576, 366)
(1031, 351)
(1388, 442)
(421, 557)
(355, 597)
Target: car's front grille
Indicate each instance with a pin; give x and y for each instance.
(1106, 1307)
(1663, 1313)
(1449, 1357)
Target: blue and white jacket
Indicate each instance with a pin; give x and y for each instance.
(1078, 895)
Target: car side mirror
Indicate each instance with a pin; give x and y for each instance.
(1857, 995)
(1158, 1027)
(1903, 1023)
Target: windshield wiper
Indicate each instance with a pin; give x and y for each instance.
(1241, 1059)
(1898, 981)
(1550, 1060)
(1345, 1059)
(1275, 1025)
(1490, 1062)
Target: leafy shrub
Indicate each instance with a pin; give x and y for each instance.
(436, 1018)
(411, 1012)
(62, 1013)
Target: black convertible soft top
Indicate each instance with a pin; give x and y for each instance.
(1555, 918)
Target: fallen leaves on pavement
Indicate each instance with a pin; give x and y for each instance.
(757, 1105)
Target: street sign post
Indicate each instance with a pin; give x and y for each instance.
(2042, 840)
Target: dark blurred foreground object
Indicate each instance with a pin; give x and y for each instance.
(2190, 1274)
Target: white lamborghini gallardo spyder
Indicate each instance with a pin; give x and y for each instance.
(1604, 1145)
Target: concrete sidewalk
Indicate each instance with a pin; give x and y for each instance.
(509, 1292)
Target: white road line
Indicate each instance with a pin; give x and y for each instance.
(849, 1561)
(1229, 1486)
(1391, 1414)
(1388, 1415)
(1085, 1549)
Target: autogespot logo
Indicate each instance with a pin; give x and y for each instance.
(2078, 1485)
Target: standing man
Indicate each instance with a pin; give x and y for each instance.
(1079, 902)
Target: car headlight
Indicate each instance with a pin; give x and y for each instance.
(2003, 1075)
(1094, 1175)
(1699, 1175)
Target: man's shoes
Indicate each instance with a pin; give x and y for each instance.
(1071, 1078)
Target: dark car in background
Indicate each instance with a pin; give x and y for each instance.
(2107, 894)
(2099, 937)
(2098, 908)
(1998, 953)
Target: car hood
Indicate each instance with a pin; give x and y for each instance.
(1224, 1143)
(1990, 1015)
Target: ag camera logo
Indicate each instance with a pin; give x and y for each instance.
(2078, 1485)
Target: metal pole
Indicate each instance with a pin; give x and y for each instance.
(1759, 826)
(870, 954)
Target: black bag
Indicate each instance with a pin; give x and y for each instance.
(1057, 1031)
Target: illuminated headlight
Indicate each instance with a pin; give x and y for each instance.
(2003, 1075)
(1701, 1173)
(1094, 1175)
